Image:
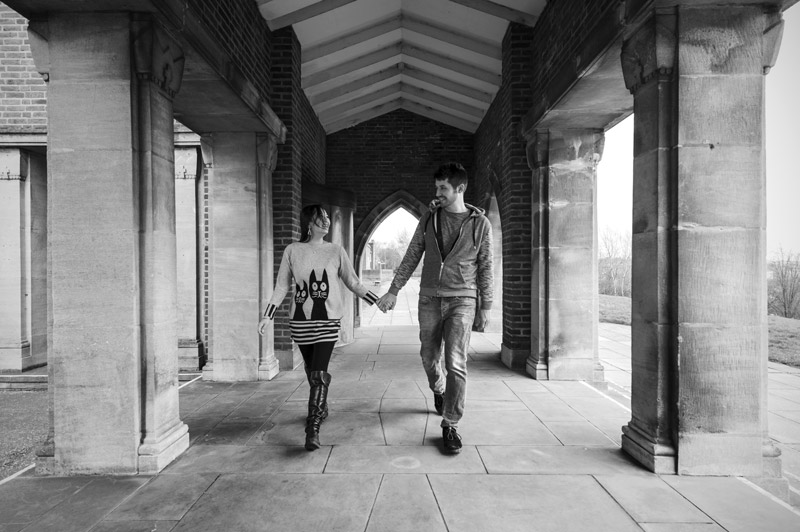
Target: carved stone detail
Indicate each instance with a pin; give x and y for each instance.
(158, 58)
(650, 52)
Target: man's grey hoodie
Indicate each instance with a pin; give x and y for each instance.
(465, 271)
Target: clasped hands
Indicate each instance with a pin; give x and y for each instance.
(386, 301)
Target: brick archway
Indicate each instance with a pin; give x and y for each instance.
(381, 211)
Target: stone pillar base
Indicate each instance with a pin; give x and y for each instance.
(268, 369)
(15, 358)
(208, 371)
(288, 359)
(189, 354)
(572, 369)
(656, 457)
(155, 456)
(513, 358)
(536, 369)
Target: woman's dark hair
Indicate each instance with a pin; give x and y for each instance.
(307, 217)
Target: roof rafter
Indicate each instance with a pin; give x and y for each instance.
(449, 63)
(499, 11)
(305, 13)
(362, 116)
(450, 85)
(443, 101)
(439, 116)
(452, 36)
(355, 64)
(336, 92)
(336, 112)
(351, 39)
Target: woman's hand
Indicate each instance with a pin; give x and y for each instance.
(262, 326)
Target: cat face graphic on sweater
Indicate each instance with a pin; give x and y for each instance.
(318, 289)
(300, 296)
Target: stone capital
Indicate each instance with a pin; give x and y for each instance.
(38, 34)
(157, 57)
(267, 152)
(13, 165)
(773, 35)
(207, 150)
(538, 149)
(650, 52)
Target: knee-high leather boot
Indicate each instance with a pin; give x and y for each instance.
(325, 404)
(318, 396)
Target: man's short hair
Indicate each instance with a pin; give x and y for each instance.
(454, 173)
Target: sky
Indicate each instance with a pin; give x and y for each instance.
(615, 171)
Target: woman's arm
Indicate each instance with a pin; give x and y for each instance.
(348, 275)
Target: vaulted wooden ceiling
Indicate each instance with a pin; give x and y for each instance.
(363, 58)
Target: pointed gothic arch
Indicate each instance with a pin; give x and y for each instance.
(381, 211)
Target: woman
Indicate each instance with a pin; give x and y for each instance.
(321, 271)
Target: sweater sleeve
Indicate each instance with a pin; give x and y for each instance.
(351, 280)
(283, 284)
(416, 248)
(486, 267)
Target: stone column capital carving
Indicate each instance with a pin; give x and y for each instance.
(38, 35)
(538, 149)
(157, 57)
(650, 51)
(207, 150)
(13, 165)
(773, 35)
(267, 152)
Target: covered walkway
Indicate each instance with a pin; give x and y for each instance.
(538, 455)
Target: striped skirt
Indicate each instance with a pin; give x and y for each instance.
(314, 331)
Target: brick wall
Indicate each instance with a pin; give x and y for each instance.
(23, 103)
(561, 29)
(243, 33)
(301, 157)
(398, 150)
(502, 167)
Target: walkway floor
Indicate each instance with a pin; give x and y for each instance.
(538, 456)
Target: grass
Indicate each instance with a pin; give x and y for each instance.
(784, 333)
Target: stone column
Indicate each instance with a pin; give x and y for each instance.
(237, 196)
(341, 232)
(186, 236)
(111, 238)
(267, 154)
(698, 315)
(23, 260)
(564, 274)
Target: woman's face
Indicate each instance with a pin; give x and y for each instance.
(320, 225)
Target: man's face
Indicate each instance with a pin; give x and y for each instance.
(445, 192)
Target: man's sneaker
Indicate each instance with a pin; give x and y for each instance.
(438, 402)
(452, 441)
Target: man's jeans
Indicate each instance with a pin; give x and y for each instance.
(447, 319)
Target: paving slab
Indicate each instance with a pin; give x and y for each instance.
(341, 428)
(577, 433)
(200, 459)
(87, 507)
(417, 405)
(134, 526)
(244, 503)
(681, 527)
(404, 389)
(500, 427)
(637, 494)
(549, 407)
(558, 460)
(234, 432)
(403, 429)
(164, 498)
(490, 390)
(397, 459)
(733, 504)
(563, 503)
(25, 499)
(406, 503)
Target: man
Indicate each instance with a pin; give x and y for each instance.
(456, 241)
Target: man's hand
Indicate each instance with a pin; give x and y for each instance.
(387, 301)
(262, 326)
(482, 320)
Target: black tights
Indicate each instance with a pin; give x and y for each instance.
(317, 356)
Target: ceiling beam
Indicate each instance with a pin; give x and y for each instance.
(434, 114)
(337, 92)
(337, 112)
(464, 90)
(362, 116)
(338, 44)
(453, 36)
(499, 11)
(305, 13)
(452, 64)
(443, 101)
(363, 61)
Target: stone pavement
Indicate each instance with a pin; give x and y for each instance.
(538, 456)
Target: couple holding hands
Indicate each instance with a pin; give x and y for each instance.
(455, 240)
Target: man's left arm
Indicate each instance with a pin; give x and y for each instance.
(485, 274)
